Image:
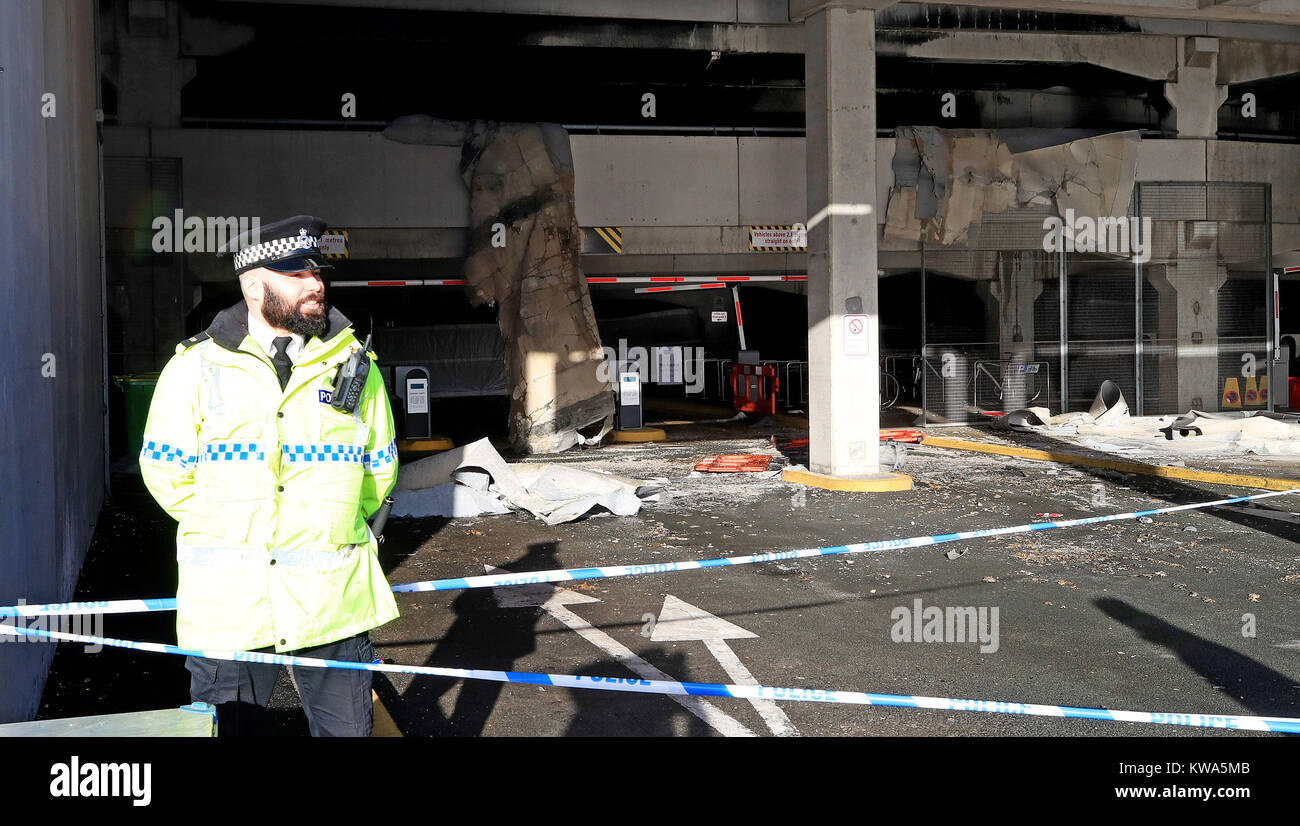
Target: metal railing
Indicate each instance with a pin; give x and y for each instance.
(1021, 368)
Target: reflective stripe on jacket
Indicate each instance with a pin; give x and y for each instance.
(271, 489)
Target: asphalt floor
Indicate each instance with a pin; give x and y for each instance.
(1192, 612)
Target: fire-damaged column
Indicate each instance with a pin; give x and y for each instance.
(523, 255)
(1016, 287)
(843, 317)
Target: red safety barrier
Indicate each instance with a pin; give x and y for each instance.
(753, 388)
(734, 463)
(909, 436)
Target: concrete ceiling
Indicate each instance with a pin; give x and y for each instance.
(1244, 11)
(781, 11)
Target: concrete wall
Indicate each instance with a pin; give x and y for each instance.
(1270, 163)
(1276, 164)
(361, 179)
(51, 428)
(656, 187)
(350, 178)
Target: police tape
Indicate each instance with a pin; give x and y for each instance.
(117, 606)
(741, 692)
(606, 572)
(569, 574)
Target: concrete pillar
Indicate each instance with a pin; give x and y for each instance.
(51, 420)
(145, 63)
(1196, 95)
(1160, 366)
(843, 317)
(1197, 279)
(1016, 289)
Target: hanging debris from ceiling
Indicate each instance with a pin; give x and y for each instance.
(946, 179)
(522, 256)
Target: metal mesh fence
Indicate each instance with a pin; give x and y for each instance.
(991, 321)
(1169, 302)
(1101, 323)
(1205, 333)
(144, 300)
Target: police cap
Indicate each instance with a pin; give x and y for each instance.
(287, 246)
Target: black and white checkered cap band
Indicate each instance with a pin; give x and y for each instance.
(275, 250)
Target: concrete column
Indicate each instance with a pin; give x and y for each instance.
(51, 431)
(145, 63)
(844, 367)
(1197, 280)
(1196, 95)
(1160, 374)
(1016, 289)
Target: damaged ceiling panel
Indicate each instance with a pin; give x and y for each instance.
(523, 257)
(945, 180)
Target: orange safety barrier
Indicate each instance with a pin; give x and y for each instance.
(758, 380)
(896, 435)
(734, 463)
(909, 436)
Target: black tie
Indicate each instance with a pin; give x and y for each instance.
(281, 360)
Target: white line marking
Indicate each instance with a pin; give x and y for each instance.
(680, 621)
(552, 600)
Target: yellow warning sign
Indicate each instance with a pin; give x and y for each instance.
(1252, 392)
(612, 236)
(1231, 394)
(778, 238)
(334, 243)
(1263, 389)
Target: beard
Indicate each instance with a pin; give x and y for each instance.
(278, 312)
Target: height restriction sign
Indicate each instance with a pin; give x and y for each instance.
(857, 335)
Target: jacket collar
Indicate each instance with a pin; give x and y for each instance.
(230, 327)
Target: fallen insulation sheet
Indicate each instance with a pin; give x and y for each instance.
(474, 480)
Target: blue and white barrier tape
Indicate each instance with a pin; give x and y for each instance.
(530, 577)
(572, 574)
(743, 692)
(117, 606)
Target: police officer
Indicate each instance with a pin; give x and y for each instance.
(272, 486)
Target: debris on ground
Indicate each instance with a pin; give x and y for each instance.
(1108, 427)
(474, 480)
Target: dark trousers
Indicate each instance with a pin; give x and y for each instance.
(337, 700)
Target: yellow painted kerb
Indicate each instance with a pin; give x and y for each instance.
(1163, 471)
(879, 483)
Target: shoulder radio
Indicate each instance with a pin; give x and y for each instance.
(350, 379)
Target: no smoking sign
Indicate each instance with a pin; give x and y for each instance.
(857, 335)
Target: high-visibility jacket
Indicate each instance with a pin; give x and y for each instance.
(271, 489)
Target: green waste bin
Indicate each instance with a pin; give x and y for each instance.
(137, 388)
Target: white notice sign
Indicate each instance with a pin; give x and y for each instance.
(417, 396)
(629, 385)
(857, 335)
(719, 315)
(334, 244)
(668, 365)
(778, 239)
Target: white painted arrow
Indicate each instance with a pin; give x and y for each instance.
(680, 621)
(553, 601)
